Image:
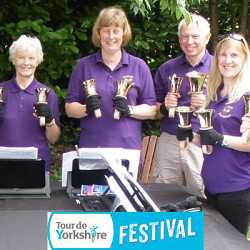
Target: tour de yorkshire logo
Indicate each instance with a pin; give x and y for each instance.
(68, 231)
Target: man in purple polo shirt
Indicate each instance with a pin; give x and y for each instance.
(19, 114)
(107, 66)
(172, 164)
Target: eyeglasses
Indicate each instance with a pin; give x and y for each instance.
(234, 36)
(186, 37)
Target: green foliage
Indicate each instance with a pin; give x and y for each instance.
(177, 8)
(145, 44)
(141, 6)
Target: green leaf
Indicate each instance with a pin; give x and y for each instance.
(23, 24)
(36, 26)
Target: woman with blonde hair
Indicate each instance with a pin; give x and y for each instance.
(111, 63)
(226, 171)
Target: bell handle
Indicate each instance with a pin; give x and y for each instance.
(116, 115)
(171, 112)
(184, 144)
(42, 121)
(207, 149)
(98, 113)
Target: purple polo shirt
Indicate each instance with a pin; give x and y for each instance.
(179, 66)
(226, 170)
(19, 128)
(107, 132)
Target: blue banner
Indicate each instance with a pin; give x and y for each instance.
(124, 230)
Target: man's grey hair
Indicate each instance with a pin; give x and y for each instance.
(198, 20)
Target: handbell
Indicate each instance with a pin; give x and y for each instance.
(175, 89)
(184, 114)
(1, 95)
(196, 81)
(247, 104)
(42, 95)
(90, 89)
(205, 118)
(42, 98)
(246, 97)
(123, 86)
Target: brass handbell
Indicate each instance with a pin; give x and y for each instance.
(123, 86)
(196, 81)
(175, 89)
(42, 98)
(247, 104)
(205, 118)
(184, 114)
(1, 94)
(89, 87)
(246, 97)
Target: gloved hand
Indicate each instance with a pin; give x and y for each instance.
(1, 110)
(169, 207)
(189, 202)
(43, 109)
(163, 109)
(121, 104)
(93, 102)
(183, 133)
(184, 205)
(210, 137)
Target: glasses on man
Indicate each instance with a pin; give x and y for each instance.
(193, 36)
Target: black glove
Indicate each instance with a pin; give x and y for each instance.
(210, 137)
(93, 102)
(1, 110)
(169, 207)
(189, 202)
(163, 109)
(121, 104)
(43, 109)
(183, 133)
(184, 205)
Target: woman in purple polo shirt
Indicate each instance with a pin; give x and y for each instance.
(19, 113)
(111, 32)
(226, 172)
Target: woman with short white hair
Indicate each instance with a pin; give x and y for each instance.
(20, 112)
